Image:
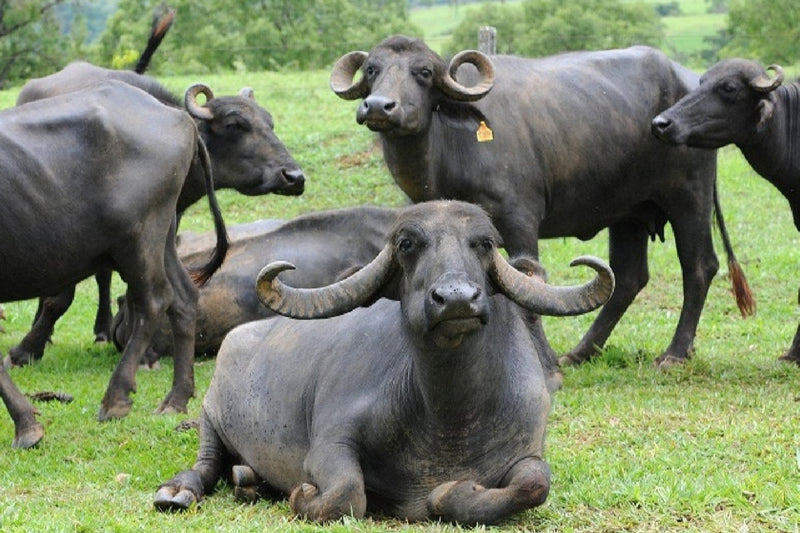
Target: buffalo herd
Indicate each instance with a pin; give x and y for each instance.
(442, 411)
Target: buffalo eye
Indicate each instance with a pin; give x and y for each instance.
(425, 73)
(727, 88)
(405, 245)
(371, 71)
(484, 245)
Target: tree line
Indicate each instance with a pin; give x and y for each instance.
(40, 36)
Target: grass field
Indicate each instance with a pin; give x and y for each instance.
(712, 446)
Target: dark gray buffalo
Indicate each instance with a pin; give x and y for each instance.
(739, 103)
(246, 155)
(571, 154)
(326, 245)
(428, 408)
(90, 180)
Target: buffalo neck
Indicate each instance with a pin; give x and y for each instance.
(409, 160)
(774, 152)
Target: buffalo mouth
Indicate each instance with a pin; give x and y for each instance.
(453, 327)
(379, 125)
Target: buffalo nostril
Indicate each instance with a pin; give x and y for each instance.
(661, 123)
(294, 177)
(389, 106)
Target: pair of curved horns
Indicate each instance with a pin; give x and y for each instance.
(345, 69)
(351, 292)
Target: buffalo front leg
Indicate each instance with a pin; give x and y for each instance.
(628, 259)
(103, 318)
(27, 431)
(525, 486)
(189, 486)
(337, 486)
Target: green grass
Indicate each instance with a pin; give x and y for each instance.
(712, 446)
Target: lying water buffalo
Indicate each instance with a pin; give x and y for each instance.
(68, 212)
(246, 155)
(428, 408)
(550, 147)
(326, 245)
(738, 103)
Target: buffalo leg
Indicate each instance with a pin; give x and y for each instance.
(525, 486)
(27, 431)
(102, 321)
(699, 265)
(337, 489)
(792, 355)
(31, 347)
(182, 314)
(628, 260)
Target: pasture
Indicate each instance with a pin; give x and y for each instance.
(712, 446)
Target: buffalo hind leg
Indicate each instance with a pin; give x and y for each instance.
(31, 347)
(628, 259)
(27, 430)
(792, 355)
(466, 502)
(189, 486)
(182, 314)
(699, 265)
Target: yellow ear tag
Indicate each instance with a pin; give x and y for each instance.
(484, 133)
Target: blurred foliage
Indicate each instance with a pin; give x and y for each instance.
(545, 27)
(253, 35)
(768, 30)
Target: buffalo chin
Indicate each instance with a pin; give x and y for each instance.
(449, 334)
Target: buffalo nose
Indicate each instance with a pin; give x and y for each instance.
(294, 177)
(378, 105)
(455, 291)
(660, 123)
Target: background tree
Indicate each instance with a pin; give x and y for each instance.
(545, 27)
(31, 40)
(251, 35)
(768, 30)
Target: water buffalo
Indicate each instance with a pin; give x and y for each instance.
(739, 103)
(90, 179)
(428, 408)
(326, 245)
(550, 147)
(246, 155)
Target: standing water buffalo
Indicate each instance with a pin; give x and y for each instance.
(90, 180)
(430, 407)
(246, 155)
(550, 147)
(738, 103)
(327, 245)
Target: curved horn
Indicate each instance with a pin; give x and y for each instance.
(455, 90)
(765, 84)
(323, 302)
(190, 101)
(544, 299)
(247, 92)
(342, 75)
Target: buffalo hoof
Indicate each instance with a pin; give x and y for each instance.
(114, 411)
(791, 356)
(571, 360)
(19, 357)
(246, 484)
(665, 361)
(174, 499)
(101, 338)
(168, 408)
(28, 437)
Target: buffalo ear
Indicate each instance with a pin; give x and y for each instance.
(765, 110)
(460, 115)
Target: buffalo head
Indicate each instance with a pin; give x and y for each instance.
(442, 262)
(245, 152)
(403, 82)
(732, 103)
